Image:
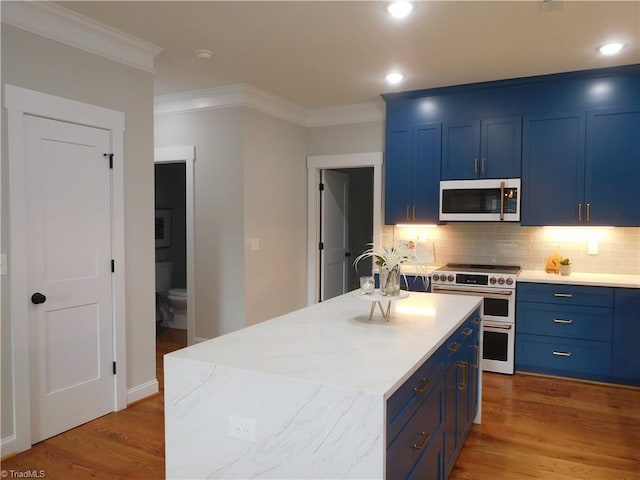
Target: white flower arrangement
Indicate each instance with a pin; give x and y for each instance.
(390, 260)
(390, 257)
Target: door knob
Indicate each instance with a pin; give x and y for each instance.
(37, 298)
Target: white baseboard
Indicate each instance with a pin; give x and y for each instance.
(7, 445)
(200, 339)
(142, 391)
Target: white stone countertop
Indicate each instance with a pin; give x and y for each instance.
(576, 278)
(334, 343)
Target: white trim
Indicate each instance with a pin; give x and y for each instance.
(239, 95)
(346, 114)
(314, 165)
(20, 102)
(243, 95)
(186, 154)
(200, 339)
(142, 391)
(7, 446)
(66, 26)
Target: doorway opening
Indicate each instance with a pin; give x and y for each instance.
(174, 241)
(344, 215)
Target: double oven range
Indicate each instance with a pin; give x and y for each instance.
(497, 285)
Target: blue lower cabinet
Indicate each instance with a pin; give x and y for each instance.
(626, 336)
(429, 416)
(578, 331)
(563, 356)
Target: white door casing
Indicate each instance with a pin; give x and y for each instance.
(69, 244)
(334, 233)
(21, 103)
(315, 164)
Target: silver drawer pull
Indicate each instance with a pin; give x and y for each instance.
(562, 354)
(563, 295)
(559, 320)
(421, 444)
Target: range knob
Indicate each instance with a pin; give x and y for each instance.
(436, 277)
(450, 278)
(492, 280)
(509, 281)
(501, 281)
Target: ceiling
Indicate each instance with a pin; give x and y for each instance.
(333, 53)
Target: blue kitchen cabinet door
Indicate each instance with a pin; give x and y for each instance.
(612, 168)
(398, 196)
(427, 159)
(626, 336)
(488, 148)
(412, 174)
(461, 151)
(553, 170)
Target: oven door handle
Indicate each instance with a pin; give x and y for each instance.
(504, 293)
(497, 325)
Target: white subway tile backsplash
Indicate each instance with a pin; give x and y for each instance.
(529, 247)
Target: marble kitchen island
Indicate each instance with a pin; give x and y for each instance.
(303, 395)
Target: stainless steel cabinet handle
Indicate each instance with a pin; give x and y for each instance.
(588, 212)
(563, 295)
(465, 375)
(559, 320)
(579, 212)
(414, 212)
(408, 207)
(475, 165)
(483, 166)
(562, 354)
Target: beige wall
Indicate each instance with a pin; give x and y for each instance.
(249, 183)
(219, 204)
(343, 139)
(275, 214)
(33, 62)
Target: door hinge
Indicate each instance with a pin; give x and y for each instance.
(321, 187)
(110, 155)
(113, 265)
(321, 246)
(114, 368)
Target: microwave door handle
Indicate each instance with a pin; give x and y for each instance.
(495, 325)
(501, 201)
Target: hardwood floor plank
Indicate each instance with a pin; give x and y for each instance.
(533, 428)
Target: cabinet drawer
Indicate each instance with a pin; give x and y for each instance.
(565, 294)
(404, 402)
(417, 436)
(587, 323)
(563, 354)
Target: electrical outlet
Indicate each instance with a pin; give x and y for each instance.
(242, 428)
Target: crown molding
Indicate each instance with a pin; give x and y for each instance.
(65, 26)
(243, 95)
(346, 114)
(237, 95)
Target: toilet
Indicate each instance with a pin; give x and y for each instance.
(171, 303)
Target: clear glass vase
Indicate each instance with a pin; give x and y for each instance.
(390, 281)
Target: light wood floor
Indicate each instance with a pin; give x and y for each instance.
(533, 428)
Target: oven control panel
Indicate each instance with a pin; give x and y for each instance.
(474, 279)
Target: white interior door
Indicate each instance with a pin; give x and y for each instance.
(334, 234)
(69, 243)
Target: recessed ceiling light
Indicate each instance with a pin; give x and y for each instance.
(400, 8)
(611, 48)
(394, 78)
(204, 54)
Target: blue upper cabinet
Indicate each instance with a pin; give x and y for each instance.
(577, 175)
(412, 174)
(482, 149)
(553, 170)
(612, 167)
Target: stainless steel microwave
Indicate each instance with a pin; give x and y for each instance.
(488, 200)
